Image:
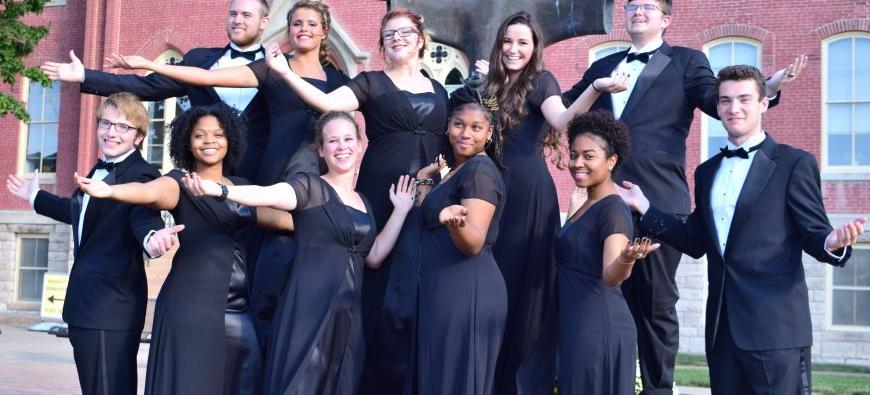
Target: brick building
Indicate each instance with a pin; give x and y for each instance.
(826, 112)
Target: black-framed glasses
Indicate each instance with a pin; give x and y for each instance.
(402, 32)
(122, 128)
(632, 8)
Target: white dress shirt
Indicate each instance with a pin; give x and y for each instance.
(633, 70)
(236, 97)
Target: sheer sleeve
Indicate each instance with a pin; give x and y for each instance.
(301, 184)
(261, 71)
(360, 85)
(615, 217)
(481, 180)
(545, 87)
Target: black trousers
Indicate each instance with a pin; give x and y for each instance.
(105, 360)
(774, 372)
(651, 293)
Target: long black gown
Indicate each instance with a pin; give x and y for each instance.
(317, 345)
(598, 338)
(405, 132)
(524, 247)
(203, 341)
(290, 149)
(462, 298)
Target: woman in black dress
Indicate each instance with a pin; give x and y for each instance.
(317, 345)
(405, 116)
(598, 339)
(203, 341)
(289, 147)
(462, 294)
(533, 118)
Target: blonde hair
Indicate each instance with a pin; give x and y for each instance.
(325, 20)
(131, 108)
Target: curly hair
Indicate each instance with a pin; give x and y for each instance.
(182, 128)
(470, 98)
(325, 21)
(601, 123)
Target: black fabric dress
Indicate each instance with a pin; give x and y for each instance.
(524, 246)
(598, 338)
(203, 341)
(405, 132)
(317, 345)
(290, 149)
(462, 298)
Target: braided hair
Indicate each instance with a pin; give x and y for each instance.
(470, 98)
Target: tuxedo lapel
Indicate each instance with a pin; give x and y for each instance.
(760, 171)
(92, 211)
(650, 73)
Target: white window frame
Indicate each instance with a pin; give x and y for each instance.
(836, 172)
(829, 296)
(439, 71)
(23, 303)
(608, 45)
(169, 114)
(23, 134)
(706, 119)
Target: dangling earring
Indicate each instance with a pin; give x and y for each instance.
(489, 142)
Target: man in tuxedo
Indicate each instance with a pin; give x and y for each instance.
(758, 206)
(107, 293)
(666, 84)
(246, 20)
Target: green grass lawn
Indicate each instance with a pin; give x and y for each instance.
(828, 379)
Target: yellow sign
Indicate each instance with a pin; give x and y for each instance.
(53, 294)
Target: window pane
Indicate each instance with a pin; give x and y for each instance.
(862, 308)
(839, 118)
(28, 252)
(844, 276)
(839, 85)
(860, 262)
(49, 148)
(862, 83)
(607, 51)
(862, 53)
(34, 148)
(839, 150)
(30, 285)
(745, 54)
(862, 149)
(719, 56)
(51, 106)
(41, 258)
(714, 143)
(843, 307)
(840, 54)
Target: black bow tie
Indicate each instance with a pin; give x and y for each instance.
(642, 56)
(101, 164)
(740, 152)
(250, 55)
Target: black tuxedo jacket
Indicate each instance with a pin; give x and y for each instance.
(107, 288)
(659, 113)
(155, 87)
(759, 277)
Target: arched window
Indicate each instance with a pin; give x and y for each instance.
(161, 113)
(600, 51)
(724, 52)
(445, 64)
(846, 98)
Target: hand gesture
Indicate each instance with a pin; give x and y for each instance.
(482, 67)
(22, 189)
(130, 62)
(453, 216)
(618, 82)
(637, 249)
(162, 240)
(73, 71)
(95, 188)
(432, 169)
(784, 76)
(199, 187)
(276, 61)
(633, 197)
(845, 235)
(402, 193)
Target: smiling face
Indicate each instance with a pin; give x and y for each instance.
(589, 164)
(396, 47)
(646, 25)
(517, 47)
(468, 131)
(245, 22)
(306, 30)
(740, 108)
(208, 141)
(341, 146)
(111, 141)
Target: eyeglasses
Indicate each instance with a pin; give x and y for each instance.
(122, 128)
(632, 8)
(402, 32)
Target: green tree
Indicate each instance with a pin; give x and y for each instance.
(17, 40)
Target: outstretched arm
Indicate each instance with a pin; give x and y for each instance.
(468, 223)
(619, 257)
(402, 197)
(274, 219)
(558, 116)
(784, 76)
(234, 77)
(279, 196)
(159, 194)
(341, 99)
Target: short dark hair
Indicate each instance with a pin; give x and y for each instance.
(664, 5)
(467, 97)
(182, 127)
(742, 72)
(601, 123)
